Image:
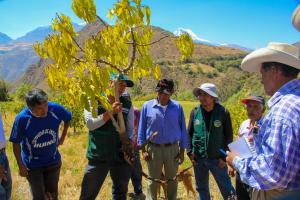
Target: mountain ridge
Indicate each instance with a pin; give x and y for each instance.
(4, 39)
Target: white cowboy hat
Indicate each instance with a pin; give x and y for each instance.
(296, 18)
(274, 52)
(209, 88)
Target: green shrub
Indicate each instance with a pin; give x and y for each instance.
(3, 91)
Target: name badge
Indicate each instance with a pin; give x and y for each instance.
(217, 123)
(197, 122)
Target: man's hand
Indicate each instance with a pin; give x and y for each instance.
(230, 157)
(192, 158)
(231, 171)
(221, 163)
(250, 138)
(23, 171)
(61, 141)
(116, 107)
(2, 173)
(146, 156)
(180, 157)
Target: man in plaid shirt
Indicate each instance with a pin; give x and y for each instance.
(275, 170)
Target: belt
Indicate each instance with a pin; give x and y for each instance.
(163, 145)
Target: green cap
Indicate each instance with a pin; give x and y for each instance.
(114, 76)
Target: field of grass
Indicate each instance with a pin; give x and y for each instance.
(74, 161)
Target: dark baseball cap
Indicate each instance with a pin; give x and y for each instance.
(256, 98)
(114, 76)
(165, 85)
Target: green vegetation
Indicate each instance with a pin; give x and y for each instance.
(19, 94)
(3, 91)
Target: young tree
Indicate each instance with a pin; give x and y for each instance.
(83, 72)
(3, 91)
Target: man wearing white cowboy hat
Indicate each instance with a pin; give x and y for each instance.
(275, 171)
(210, 130)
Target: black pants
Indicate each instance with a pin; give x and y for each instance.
(44, 181)
(242, 189)
(95, 174)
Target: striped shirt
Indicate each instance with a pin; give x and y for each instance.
(277, 165)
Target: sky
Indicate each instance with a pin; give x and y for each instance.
(249, 23)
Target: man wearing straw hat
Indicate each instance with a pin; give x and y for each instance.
(275, 170)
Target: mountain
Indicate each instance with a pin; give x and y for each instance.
(199, 40)
(17, 55)
(15, 59)
(162, 51)
(297, 44)
(237, 47)
(4, 39)
(40, 33)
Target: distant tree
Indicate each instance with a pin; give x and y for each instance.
(3, 91)
(21, 91)
(77, 122)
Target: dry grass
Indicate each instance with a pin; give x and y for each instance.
(74, 161)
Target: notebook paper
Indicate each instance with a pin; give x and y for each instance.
(242, 147)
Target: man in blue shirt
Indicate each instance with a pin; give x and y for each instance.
(166, 149)
(35, 141)
(275, 170)
(5, 176)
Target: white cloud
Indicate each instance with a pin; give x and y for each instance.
(82, 23)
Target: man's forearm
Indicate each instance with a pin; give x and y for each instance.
(65, 130)
(17, 153)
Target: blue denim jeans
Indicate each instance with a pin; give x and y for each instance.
(136, 174)
(95, 174)
(201, 169)
(5, 185)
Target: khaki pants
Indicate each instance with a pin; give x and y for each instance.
(273, 194)
(162, 156)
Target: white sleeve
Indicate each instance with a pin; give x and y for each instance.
(93, 123)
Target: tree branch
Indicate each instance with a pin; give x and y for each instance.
(73, 39)
(137, 44)
(103, 22)
(108, 63)
(133, 53)
(77, 59)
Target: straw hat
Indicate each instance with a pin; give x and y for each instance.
(296, 18)
(274, 52)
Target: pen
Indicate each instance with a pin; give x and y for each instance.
(223, 152)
